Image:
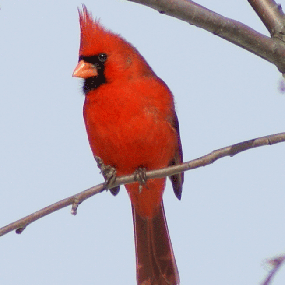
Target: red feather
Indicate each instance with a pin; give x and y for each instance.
(131, 123)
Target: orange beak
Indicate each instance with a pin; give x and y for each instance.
(85, 70)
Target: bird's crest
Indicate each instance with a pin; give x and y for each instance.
(94, 37)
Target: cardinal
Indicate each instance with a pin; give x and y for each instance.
(132, 127)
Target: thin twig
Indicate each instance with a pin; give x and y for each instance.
(77, 199)
(276, 263)
(272, 50)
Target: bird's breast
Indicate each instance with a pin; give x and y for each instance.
(127, 131)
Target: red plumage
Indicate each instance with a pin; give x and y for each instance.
(131, 123)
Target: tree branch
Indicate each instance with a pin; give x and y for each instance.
(78, 198)
(272, 16)
(272, 50)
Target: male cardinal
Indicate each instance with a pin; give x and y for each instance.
(132, 126)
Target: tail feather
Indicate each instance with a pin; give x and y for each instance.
(156, 263)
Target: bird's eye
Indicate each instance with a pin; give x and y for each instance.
(102, 57)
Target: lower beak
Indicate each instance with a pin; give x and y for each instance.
(85, 70)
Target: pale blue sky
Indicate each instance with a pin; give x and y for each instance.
(231, 216)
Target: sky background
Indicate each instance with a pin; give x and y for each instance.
(231, 216)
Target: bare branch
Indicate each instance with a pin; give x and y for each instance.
(276, 263)
(272, 50)
(21, 224)
(271, 15)
(78, 198)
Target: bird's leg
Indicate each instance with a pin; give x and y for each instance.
(140, 177)
(109, 174)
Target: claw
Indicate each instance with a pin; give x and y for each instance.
(109, 174)
(115, 190)
(140, 177)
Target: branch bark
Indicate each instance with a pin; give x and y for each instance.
(271, 15)
(78, 198)
(270, 49)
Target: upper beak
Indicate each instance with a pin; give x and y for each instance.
(85, 70)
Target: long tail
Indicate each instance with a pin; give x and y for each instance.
(156, 263)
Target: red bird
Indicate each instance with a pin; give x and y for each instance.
(132, 126)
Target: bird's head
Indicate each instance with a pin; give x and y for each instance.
(105, 56)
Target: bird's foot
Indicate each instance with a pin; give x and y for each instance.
(109, 174)
(140, 177)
